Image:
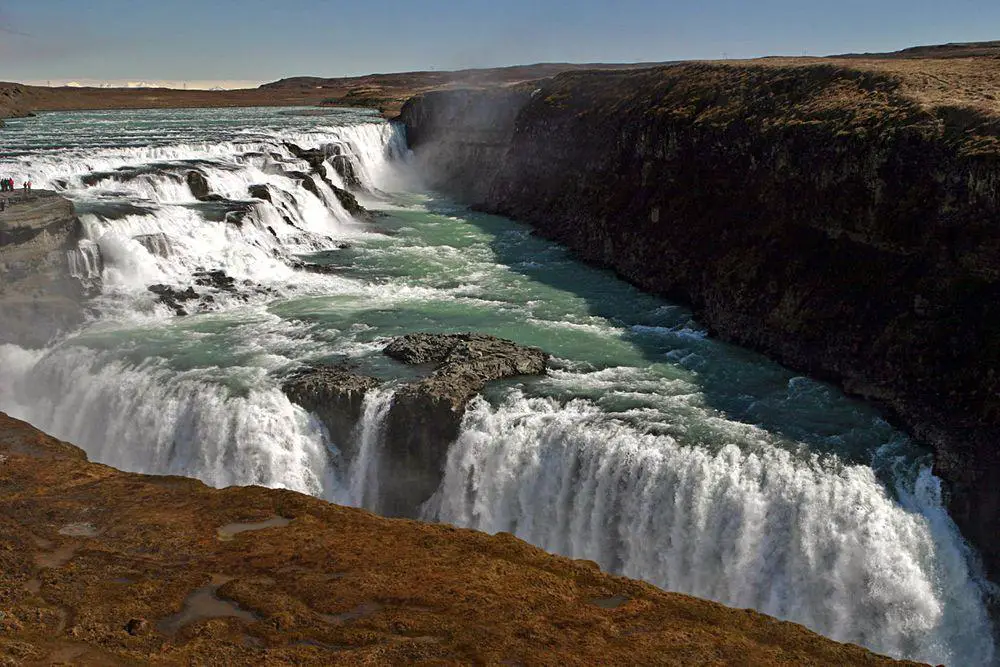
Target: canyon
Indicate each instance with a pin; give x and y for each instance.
(838, 215)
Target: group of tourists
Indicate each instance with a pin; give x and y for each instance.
(7, 185)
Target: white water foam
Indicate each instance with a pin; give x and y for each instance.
(749, 525)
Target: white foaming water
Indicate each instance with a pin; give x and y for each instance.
(749, 525)
(363, 473)
(256, 246)
(189, 423)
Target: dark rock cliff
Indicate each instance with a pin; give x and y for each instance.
(819, 214)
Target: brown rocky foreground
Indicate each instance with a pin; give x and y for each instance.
(103, 567)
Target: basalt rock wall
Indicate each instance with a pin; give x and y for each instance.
(820, 214)
(39, 296)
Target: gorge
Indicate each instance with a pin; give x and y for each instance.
(243, 322)
(827, 215)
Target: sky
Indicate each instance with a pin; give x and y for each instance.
(245, 42)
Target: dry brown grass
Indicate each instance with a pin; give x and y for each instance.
(335, 586)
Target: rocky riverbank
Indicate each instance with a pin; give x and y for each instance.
(837, 215)
(38, 295)
(101, 567)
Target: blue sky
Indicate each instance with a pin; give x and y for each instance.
(258, 40)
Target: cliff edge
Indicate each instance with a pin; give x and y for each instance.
(838, 215)
(39, 295)
(103, 567)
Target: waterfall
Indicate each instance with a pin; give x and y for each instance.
(234, 430)
(143, 226)
(749, 524)
(363, 472)
(628, 467)
(85, 261)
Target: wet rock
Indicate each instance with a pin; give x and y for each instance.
(217, 279)
(325, 269)
(316, 157)
(351, 205)
(137, 626)
(198, 184)
(236, 217)
(426, 415)
(345, 168)
(307, 182)
(174, 298)
(336, 395)
(260, 192)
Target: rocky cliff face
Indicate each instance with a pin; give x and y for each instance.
(821, 214)
(39, 296)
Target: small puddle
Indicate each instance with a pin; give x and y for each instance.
(79, 530)
(231, 530)
(57, 558)
(362, 610)
(201, 604)
(66, 653)
(609, 603)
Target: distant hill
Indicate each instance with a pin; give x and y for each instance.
(465, 77)
(954, 50)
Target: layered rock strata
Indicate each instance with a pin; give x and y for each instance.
(39, 296)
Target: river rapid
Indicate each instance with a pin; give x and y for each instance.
(649, 448)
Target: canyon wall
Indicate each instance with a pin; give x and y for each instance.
(39, 296)
(827, 215)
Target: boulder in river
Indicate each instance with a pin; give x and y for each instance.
(426, 415)
(198, 184)
(336, 395)
(260, 191)
(174, 298)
